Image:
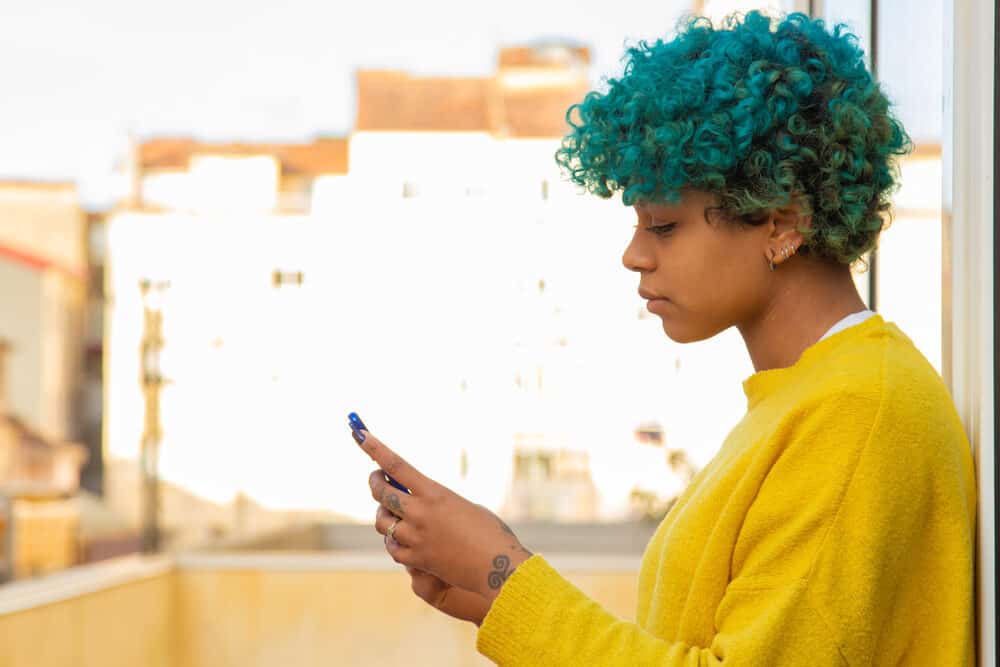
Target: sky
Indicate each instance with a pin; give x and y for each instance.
(77, 77)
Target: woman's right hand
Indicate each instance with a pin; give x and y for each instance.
(456, 602)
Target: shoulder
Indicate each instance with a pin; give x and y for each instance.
(888, 386)
(880, 367)
(877, 387)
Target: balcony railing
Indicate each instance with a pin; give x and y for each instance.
(276, 604)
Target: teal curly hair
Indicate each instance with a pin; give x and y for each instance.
(761, 115)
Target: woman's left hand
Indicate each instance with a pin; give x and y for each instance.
(439, 531)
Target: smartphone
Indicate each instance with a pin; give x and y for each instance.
(356, 425)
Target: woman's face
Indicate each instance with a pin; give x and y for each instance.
(711, 275)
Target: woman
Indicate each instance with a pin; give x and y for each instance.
(836, 523)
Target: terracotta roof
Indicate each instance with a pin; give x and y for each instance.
(529, 101)
(37, 262)
(391, 100)
(544, 55)
(323, 156)
(166, 153)
(539, 112)
(37, 185)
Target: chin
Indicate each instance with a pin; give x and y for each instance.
(688, 334)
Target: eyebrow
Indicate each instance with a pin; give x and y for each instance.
(661, 210)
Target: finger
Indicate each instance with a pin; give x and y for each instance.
(401, 553)
(387, 496)
(384, 518)
(392, 463)
(429, 589)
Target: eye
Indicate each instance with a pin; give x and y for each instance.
(662, 230)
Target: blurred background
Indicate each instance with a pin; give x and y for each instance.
(224, 226)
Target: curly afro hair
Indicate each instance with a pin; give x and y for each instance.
(761, 115)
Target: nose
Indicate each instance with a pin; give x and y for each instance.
(636, 256)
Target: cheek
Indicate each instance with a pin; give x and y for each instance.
(743, 287)
(723, 286)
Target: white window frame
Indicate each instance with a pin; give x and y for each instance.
(968, 335)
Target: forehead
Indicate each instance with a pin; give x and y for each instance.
(691, 201)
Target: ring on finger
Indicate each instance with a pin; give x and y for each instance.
(392, 529)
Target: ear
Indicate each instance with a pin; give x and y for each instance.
(785, 236)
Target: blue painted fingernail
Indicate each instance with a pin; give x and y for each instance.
(359, 437)
(356, 422)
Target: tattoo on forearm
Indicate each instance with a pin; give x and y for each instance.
(393, 503)
(501, 571)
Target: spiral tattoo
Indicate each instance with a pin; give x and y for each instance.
(501, 571)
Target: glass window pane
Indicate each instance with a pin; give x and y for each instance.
(910, 68)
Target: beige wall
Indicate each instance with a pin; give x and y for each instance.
(276, 615)
(63, 299)
(265, 619)
(130, 625)
(21, 324)
(42, 306)
(42, 318)
(45, 221)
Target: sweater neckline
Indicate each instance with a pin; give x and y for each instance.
(758, 385)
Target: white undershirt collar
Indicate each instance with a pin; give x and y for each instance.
(849, 321)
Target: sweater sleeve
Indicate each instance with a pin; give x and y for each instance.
(852, 543)
(541, 619)
(766, 614)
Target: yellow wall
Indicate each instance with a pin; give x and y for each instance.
(126, 626)
(269, 619)
(259, 617)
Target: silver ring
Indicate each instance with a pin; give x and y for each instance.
(392, 529)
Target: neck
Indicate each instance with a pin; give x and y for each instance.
(809, 297)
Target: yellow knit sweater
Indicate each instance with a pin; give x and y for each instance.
(835, 526)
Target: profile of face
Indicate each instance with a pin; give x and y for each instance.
(709, 273)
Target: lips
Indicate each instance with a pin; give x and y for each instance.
(646, 294)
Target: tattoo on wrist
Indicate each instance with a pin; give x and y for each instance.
(501, 571)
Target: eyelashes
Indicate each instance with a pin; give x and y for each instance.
(660, 230)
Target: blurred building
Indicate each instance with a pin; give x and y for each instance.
(42, 292)
(549, 483)
(369, 273)
(177, 174)
(38, 528)
(195, 209)
(50, 392)
(31, 463)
